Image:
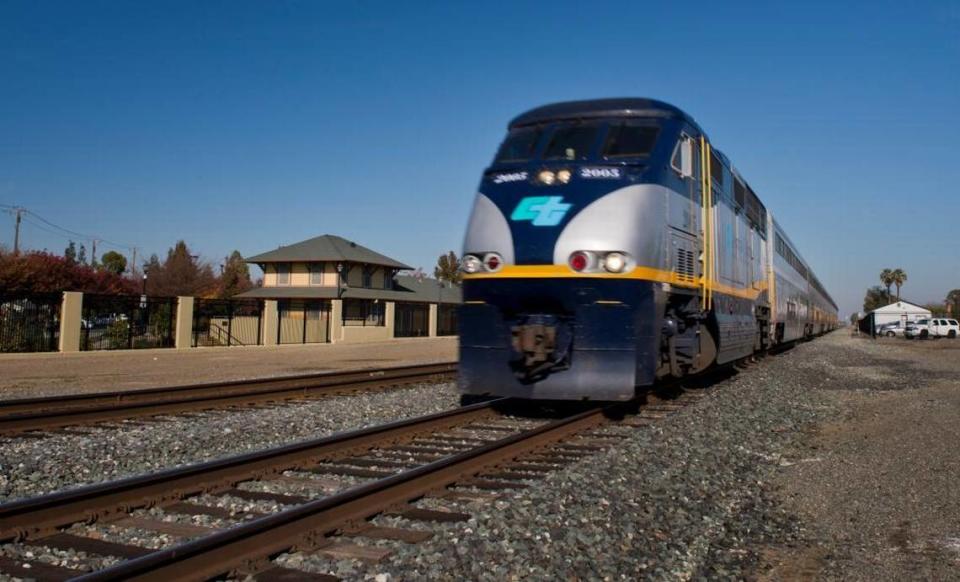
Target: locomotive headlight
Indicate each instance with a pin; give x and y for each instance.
(492, 262)
(615, 262)
(470, 264)
(563, 176)
(546, 177)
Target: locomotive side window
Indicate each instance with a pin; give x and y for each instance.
(519, 145)
(571, 142)
(625, 140)
(716, 168)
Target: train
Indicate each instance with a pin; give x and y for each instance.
(610, 246)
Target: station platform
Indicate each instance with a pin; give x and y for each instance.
(49, 374)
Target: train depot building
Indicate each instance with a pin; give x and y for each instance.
(328, 289)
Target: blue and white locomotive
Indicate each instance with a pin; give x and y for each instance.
(610, 245)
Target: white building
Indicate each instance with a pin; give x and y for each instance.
(901, 311)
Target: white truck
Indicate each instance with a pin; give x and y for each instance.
(933, 327)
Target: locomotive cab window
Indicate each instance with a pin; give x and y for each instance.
(626, 140)
(519, 145)
(571, 142)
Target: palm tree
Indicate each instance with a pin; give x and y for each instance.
(886, 277)
(448, 268)
(899, 277)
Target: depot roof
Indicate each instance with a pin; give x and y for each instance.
(327, 247)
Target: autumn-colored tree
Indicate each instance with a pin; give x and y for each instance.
(40, 272)
(235, 277)
(180, 274)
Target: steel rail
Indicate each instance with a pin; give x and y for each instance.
(42, 515)
(29, 414)
(248, 546)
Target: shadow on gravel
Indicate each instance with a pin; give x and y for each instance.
(553, 409)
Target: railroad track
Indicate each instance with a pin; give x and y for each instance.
(313, 496)
(18, 417)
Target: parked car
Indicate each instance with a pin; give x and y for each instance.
(933, 327)
(893, 329)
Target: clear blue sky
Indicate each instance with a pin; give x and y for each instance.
(249, 125)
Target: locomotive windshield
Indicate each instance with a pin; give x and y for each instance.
(626, 140)
(519, 145)
(571, 142)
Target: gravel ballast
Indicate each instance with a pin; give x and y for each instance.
(35, 466)
(730, 488)
(798, 467)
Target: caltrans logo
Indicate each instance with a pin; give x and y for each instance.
(541, 210)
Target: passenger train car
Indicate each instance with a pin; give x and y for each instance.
(610, 245)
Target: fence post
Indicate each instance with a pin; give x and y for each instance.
(336, 320)
(71, 321)
(390, 319)
(432, 325)
(270, 325)
(184, 332)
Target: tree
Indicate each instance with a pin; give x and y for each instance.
(39, 272)
(886, 277)
(70, 253)
(82, 255)
(899, 277)
(180, 274)
(953, 302)
(448, 268)
(235, 277)
(114, 262)
(874, 298)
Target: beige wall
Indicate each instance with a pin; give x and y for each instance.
(365, 334)
(300, 276)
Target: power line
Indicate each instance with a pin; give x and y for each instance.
(46, 226)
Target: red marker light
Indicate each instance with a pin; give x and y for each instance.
(579, 261)
(492, 262)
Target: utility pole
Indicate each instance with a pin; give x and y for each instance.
(16, 235)
(93, 254)
(133, 263)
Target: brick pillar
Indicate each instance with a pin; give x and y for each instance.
(269, 323)
(433, 320)
(336, 320)
(71, 314)
(183, 335)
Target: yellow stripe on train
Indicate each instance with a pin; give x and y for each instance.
(638, 273)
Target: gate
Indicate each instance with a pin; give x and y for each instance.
(411, 320)
(227, 322)
(303, 322)
(447, 319)
(123, 322)
(30, 322)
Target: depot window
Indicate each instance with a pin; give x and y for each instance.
(625, 140)
(283, 274)
(363, 313)
(571, 142)
(519, 145)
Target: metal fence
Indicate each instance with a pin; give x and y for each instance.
(227, 322)
(411, 320)
(447, 319)
(30, 322)
(118, 322)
